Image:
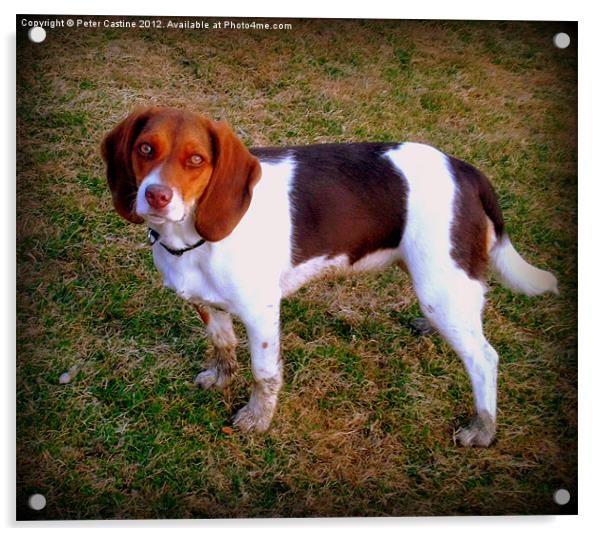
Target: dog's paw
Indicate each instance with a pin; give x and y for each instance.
(479, 433)
(206, 379)
(251, 419)
(221, 371)
(257, 415)
(212, 379)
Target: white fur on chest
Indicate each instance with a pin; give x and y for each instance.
(243, 269)
(190, 276)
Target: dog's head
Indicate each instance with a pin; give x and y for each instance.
(167, 165)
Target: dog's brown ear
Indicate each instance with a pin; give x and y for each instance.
(116, 151)
(228, 194)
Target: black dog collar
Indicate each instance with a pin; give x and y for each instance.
(154, 236)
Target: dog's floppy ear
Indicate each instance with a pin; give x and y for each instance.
(228, 194)
(116, 151)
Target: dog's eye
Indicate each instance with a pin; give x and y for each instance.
(145, 149)
(195, 160)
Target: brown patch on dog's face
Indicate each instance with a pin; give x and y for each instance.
(116, 150)
(178, 142)
(203, 160)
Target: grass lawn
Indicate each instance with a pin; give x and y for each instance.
(365, 421)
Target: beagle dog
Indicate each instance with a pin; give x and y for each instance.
(236, 230)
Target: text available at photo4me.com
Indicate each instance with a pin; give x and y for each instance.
(144, 23)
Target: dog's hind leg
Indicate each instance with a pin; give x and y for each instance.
(223, 365)
(454, 308)
(450, 291)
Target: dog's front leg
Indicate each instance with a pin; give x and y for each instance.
(223, 366)
(263, 329)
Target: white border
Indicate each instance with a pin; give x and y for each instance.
(426, 9)
(590, 362)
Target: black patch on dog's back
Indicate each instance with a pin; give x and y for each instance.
(346, 199)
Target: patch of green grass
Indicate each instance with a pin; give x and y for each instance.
(87, 84)
(65, 119)
(403, 57)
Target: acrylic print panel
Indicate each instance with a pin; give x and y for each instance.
(109, 422)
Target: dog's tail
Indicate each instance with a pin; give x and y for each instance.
(516, 273)
(507, 264)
